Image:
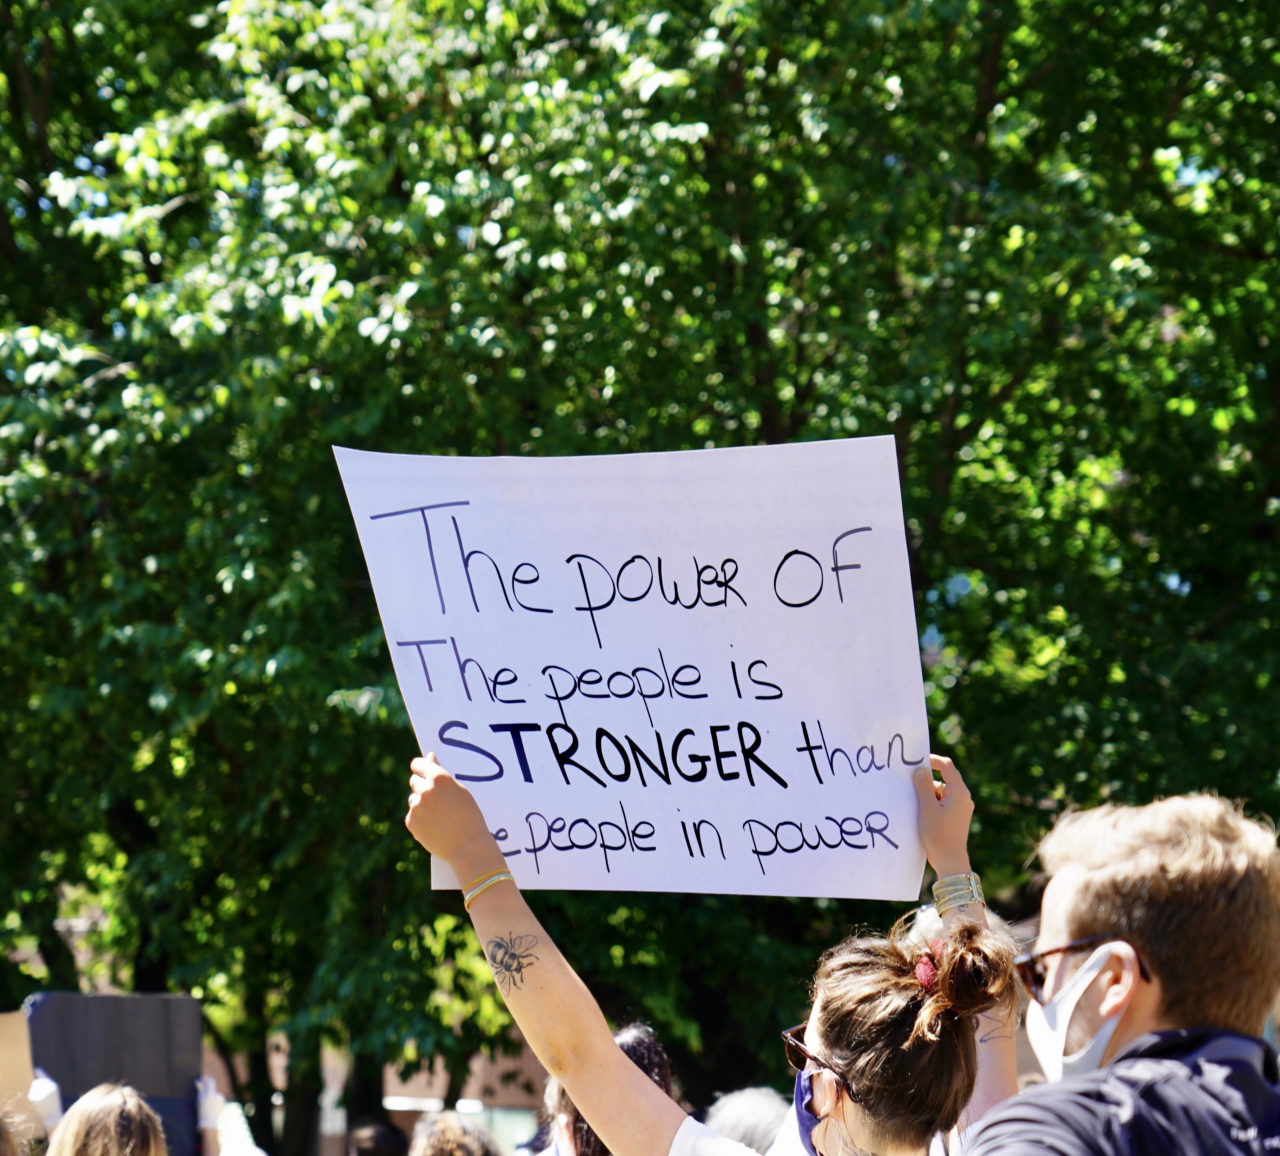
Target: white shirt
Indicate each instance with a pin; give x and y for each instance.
(694, 1139)
(788, 1142)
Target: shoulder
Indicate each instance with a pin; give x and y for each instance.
(1161, 1095)
(1067, 1119)
(694, 1139)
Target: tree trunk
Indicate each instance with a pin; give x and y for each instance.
(363, 1094)
(301, 1100)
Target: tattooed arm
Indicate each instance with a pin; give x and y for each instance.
(946, 809)
(556, 1013)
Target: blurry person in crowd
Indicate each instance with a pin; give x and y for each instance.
(377, 1138)
(109, 1120)
(451, 1134)
(752, 1116)
(569, 1133)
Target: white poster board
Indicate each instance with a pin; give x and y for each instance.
(693, 672)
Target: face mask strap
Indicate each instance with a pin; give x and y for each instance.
(808, 1120)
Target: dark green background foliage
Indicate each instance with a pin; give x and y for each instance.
(1036, 242)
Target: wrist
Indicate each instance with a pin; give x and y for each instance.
(957, 891)
(478, 888)
(473, 869)
(946, 866)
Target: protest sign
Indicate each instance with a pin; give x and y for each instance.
(693, 671)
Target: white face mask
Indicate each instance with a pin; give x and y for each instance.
(1047, 1023)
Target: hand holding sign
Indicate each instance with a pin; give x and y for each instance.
(946, 810)
(444, 818)
(688, 672)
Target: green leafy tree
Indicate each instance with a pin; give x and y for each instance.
(1037, 243)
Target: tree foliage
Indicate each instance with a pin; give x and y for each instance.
(1035, 242)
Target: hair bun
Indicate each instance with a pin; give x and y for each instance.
(973, 972)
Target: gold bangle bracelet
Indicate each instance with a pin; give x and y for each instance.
(957, 891)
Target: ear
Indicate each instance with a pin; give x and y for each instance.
(827, 1093)
(562, 1132)
(1121, 978)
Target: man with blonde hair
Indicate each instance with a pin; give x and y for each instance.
(1156, 966)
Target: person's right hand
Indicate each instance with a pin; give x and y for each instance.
(46, 1097)
(443, 816)
(946, 809)
(209, 1102)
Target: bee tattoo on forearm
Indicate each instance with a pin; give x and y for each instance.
(510, 957)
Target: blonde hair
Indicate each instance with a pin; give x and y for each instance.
(895, 1018)
(1194, 886)
(109, 1120)
(449, 1134)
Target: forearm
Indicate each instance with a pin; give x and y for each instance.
(997, 1080)
(556, 1012)
(567, 1031)
(994, 1030)
(552, 1007)
(945, 812)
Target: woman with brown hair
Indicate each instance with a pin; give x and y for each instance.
(887, 1060)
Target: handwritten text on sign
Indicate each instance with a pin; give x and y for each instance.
(662, 672)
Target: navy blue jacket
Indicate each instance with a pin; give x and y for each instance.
(1190, 1092)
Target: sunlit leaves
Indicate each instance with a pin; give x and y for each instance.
(1036, 243)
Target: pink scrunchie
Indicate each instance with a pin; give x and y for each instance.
(926, 969)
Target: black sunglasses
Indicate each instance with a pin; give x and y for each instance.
(799, 1056)
(1033, 973)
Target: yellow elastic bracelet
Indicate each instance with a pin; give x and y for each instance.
(482, 879)
(472, 895)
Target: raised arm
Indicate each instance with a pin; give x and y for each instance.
(946, 810)
(558, 1016)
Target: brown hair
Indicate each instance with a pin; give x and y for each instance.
(1194, 886)
(643, 1049)
(895, 1019)
(449, 1134)
(109, 1120)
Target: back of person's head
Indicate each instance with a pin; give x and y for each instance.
(1194, 886)
(643, 1049)
(752, 1116)
(925, 925)
(109, 1120)
(449, 1134)
(377, 1138)
(896, 1020)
